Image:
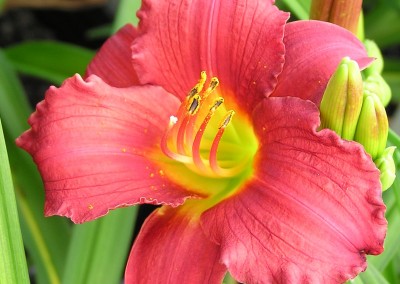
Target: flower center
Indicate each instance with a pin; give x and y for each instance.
(203, 137)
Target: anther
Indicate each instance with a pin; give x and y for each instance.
(199, 86)
(216, 104)
(213, 84)
(194, 104)
(227, 119)
(211, 87)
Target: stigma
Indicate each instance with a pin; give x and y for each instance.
(194, 133)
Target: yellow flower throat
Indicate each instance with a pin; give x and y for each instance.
(204, 137)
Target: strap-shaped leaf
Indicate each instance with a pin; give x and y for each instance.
(46, 240)
(13, 268)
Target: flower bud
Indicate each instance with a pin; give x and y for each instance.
(386, 166)
(372, 128)
(342, 101)
(373, 51)
(377, 85)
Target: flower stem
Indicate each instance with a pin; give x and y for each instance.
(344, 13)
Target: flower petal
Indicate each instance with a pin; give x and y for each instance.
(313, 52)
(171, 248)
(312, 210)
(113, 62)
(240, 42)
(93, 144)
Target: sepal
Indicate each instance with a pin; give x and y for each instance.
(385, 164)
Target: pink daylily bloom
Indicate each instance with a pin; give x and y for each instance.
(246, 182)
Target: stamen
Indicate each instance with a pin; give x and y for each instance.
(214, 149)
(164, 144)
(194, 104)
(191, 124)
(199, 86)
(198, 161)
(186, 132)
(213, 84)
(180, 143)
(217, 103)
(211, 87)
(187, 123)
(227, 119)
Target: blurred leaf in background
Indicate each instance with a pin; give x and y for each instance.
(65, 4)
(46, 240)
(50, 60)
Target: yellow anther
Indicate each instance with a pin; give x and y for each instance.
(194, 104)
(211, 87)
(213, 84)
(199, 86)
(216, 104)
(227, 119)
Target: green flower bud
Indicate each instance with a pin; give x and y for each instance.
(386, 166)
(342, 101)
(373, 51)
(377, 85)
(372, 128)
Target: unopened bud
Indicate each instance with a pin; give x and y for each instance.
(377, 85)
(372, 128)
(342, 101)
(386, 166)
(373, 51)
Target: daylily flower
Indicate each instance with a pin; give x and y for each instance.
(246, 182)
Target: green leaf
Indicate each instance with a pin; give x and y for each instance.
(14, 108)
(2, 6)
(356, 280)
(99, 248)
(379, 24)
(52, 61)
(391, 74)
(372, 276)
(46, 240)
(300, 8)
(392, 242)
(99, 32)
(126, 13)
(13, 268)
(394, 139)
